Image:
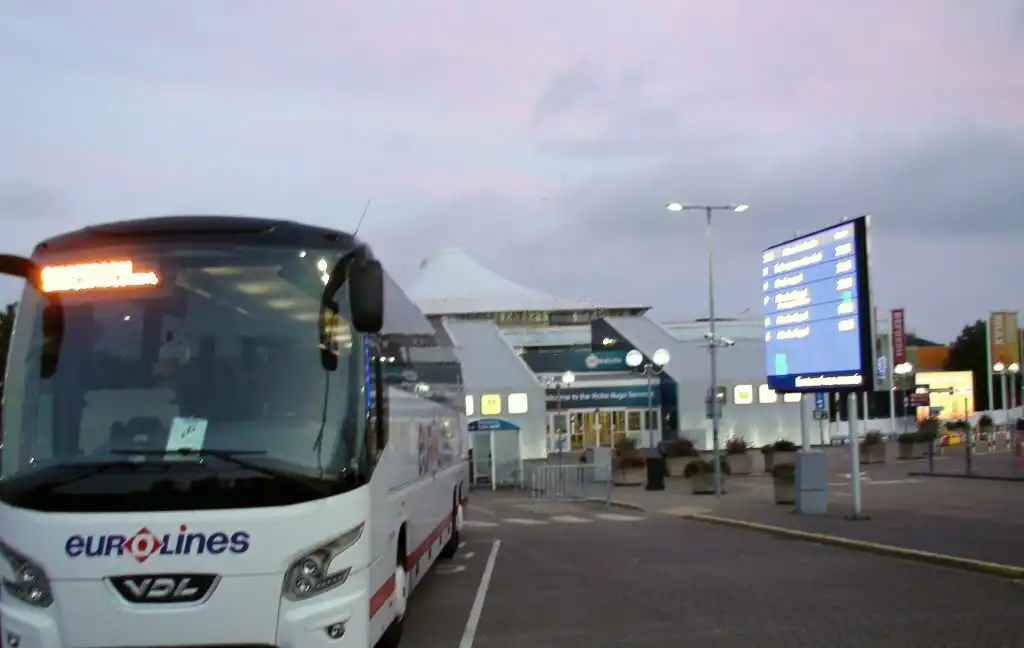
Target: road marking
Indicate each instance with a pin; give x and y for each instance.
(462, 544)
(450, 569)
(478, 523)
(481, 595)
(468, 555)
(572, 519)
(525, 521)
(618, 517)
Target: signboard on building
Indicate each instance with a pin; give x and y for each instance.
(899, 336)
(1004, 337)
(595, 397)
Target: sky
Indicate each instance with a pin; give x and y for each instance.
(543, 137)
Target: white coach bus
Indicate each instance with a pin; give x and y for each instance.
(221, 432)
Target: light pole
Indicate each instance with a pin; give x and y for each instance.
(903, 370)
(1002, 370)
(712, 336)
(566, 380)
(636, 361)
(1013, 369)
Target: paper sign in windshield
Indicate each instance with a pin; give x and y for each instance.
(186, 434)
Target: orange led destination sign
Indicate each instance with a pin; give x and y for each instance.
(95, 276)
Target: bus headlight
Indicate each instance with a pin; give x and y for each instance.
(310, 575)
(29, 583)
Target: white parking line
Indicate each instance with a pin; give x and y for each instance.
(478, 524)
(525, 521)
(572, 519)
(481, 595)
(618, 517)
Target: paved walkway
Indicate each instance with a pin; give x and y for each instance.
(979, 520)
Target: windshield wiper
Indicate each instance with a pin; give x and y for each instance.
(232, 457)
(84, 470)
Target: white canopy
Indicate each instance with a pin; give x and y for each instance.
(452, 282)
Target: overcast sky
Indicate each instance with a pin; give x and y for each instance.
(544, 136)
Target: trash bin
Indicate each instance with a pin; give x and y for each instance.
(656, 467)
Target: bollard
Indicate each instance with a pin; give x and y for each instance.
(969, 440)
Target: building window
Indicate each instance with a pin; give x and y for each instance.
(633, 421)
(791, 398)
(766, 395)
(743, 394)
(490, 404)
(517, 404)
(469, 405)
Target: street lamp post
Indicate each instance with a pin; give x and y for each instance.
(1013, 369)
(636, 361)
(1003, 370)
(904, 370)
(566, 380)
(712, 336)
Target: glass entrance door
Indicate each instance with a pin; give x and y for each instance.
(618, 419)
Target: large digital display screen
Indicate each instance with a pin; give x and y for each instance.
(818, 322)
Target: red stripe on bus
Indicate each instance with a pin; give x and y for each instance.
(381, 596)
(412, 559)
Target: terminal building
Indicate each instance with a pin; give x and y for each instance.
(516, 345)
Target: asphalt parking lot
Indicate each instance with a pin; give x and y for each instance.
(576, 578)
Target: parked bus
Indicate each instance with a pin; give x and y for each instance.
(221, 431)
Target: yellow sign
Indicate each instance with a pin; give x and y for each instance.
(490, 404)
(95, 276)
(953, 391)
(1004, 337)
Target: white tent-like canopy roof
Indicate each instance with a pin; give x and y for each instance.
(451, 282)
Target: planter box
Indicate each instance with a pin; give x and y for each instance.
(873, 453)
(914, 450)
(704, 484)
(629, 476)
(740, 464)
(785, 491)
(773, 459)
(676, 465)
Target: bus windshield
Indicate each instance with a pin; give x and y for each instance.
(173, 373)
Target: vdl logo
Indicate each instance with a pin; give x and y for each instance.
(144, 543)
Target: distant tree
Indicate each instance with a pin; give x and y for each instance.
(969, 352)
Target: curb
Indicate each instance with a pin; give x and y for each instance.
(915, 555)
(1002, 478)
(616, 503)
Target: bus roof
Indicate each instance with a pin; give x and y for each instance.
(210, 228)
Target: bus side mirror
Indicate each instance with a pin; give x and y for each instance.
(366, 292)
(53, 313)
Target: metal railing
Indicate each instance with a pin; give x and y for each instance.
(575, 482)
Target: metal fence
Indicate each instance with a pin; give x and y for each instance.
(571, 482)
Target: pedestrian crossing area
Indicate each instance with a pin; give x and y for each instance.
(552, 519)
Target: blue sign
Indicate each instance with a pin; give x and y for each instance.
(487, 424)
(579, 361)
(818, 327)
(819, 402)
(594, 397)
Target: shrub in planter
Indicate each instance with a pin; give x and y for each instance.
(627, 462)
(914, 445)
(872, 448)
(701, 474)
(784, 476)
(782, 451)
(677, 453)
(986, 427)
(736, 455)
